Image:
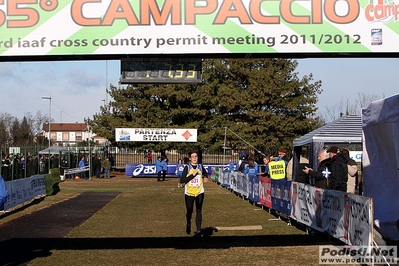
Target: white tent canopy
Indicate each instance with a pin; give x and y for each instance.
(346, 129)
(381, 162)
(53, 150)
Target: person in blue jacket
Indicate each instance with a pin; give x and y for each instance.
(231, 165)
(179, 168)
(252, 167)
(158, 168)
(82, 164)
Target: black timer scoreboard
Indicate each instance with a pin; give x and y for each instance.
(159, 70)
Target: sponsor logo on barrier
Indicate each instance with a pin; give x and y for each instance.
(148, 169)
(358, 255)
(138, 170)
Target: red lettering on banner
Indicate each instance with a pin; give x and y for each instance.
(171, 11)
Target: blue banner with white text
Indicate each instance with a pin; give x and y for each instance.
(281, 196)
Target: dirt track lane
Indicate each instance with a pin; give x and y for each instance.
(34, 235)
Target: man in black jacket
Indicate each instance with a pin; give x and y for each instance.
(323, 171)
(339, 170)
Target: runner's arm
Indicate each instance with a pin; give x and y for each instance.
(204, 172)
(184, 177)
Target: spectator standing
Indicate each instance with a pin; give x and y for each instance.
(231, 165)
(82, 165)
(242, 164)
(149, 157)
(194, 175)
(17, 167)
(164, 167)
(97, 166)
(252, 167)
(282, 156)
(42, 165)
(92, 169)
(179, 168)
(352, 171)
(112, 161)
(339, 170)
(158, 168)
(106, 165)
(241, 160)
(266, 160)
(6, 169)
(323, 171)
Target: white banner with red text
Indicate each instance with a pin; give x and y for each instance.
(344, 216)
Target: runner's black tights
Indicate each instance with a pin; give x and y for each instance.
(199, 200)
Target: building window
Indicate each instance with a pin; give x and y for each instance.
(78, 136)
(65, 136)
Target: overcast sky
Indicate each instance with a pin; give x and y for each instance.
(77, 88)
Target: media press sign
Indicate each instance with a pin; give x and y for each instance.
(153, 27)
(156, 134)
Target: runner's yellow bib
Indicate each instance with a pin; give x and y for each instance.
(196, 185)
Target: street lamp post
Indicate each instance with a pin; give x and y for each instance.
(49, 122)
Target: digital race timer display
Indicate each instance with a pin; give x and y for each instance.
(181, 70)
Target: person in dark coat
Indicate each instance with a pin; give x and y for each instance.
(112, 161)
(97, 166)
(323, 171)
(339, 170)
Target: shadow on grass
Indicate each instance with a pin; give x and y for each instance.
(22, 250)
(22, 208)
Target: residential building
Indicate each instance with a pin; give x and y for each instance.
(68, 134)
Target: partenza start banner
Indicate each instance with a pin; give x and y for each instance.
(105, 27)
(156, 134)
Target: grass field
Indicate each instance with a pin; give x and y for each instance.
(145, 225)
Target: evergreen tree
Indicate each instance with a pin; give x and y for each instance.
(15, 132)
(261, 100)
(25, 131)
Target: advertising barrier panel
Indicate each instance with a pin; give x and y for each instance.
(143, 170)
(281, 196)
(344, 216)
(265, 194)
(253, 193)
(242, 184)
(22, 190)
(225, 178)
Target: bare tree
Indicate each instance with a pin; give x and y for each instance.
(39, 119)
(4, 134)
(347, 107)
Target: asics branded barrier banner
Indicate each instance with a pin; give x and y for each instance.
(143, 170)
(143, 27)
(136, 170)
